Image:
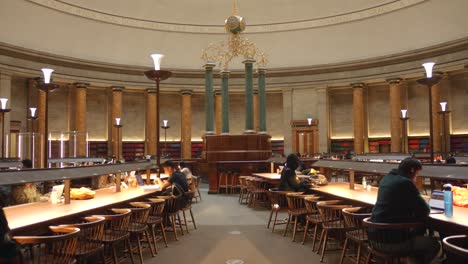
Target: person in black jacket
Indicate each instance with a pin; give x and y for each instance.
(399, 201)
(289, 180)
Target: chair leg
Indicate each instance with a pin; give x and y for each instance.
(274, 222)
(343, 253)
(114, 253)
(324, 245)
(306, 229)
(103, 256)
(185, 221)
(269, 220)
(368, 258)
(358, 257)
(163, 233)
(139, 248)
(129, 248)
(180, 223)
(287, 225)
(315, 236)
(153, 234)
(193, 219)
(174, 226)
(320, 241)
(295, 229)
(149, 243)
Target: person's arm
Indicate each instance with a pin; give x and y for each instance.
(293, 181)
(418, 203)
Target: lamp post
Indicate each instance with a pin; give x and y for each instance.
(165, 126)
(444, 112)
(157, 75)
(404, 128)
(33, 117)
(430, 81)
(118, 126)
(3, 110)
(46, 86)
(309, 121)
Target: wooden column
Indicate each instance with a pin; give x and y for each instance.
(358, 114)
(80, 118)
(116, 112)
(150, 128)
(186, 125)
(395, 114)
(436, 126)
(41, 127)
(255, 111)
(218, 112)
(5, 92)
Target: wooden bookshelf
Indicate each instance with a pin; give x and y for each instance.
(98, 149)
(277, 147)
(379, 145)
(197, 148)
(133, 150)
(418, 144)
(342, 145)
(459, 143)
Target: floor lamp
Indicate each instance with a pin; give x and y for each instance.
(444, 112)
(404, 129)
(165, 126)
(118, 126)
(3, 111)
(46, 86)
(430, 81)
(33, 117)
(157, 75)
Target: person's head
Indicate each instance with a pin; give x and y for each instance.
(410, 167)
(182, 164)
(27, 163)
(170, 166)
(292, 161)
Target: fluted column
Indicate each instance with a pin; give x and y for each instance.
(261, 100)
(358, 114)
(395, 110)
(249, 111)
(225, 101)
(150, 128)
(209, 105)
(80, 117)
(117, 112)
(186, 125)
(255, 110)
(218, 111)
(436, 127)
(41, 126)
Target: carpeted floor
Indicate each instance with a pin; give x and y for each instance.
(232, 233)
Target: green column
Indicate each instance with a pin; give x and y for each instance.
(209, 104)
(249, 120)
(225, 101)
(261, 100)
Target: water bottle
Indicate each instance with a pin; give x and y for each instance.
(364, 183)
(448, 200)
(53, 196)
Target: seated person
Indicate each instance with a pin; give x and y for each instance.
(176, 177)
(188, 174)
(289, 180)
(399, 201)
(450, 160)
(8, 248)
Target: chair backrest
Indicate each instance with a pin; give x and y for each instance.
(119, 220)
(278, 198)
(331, 210)
(310, 203)
(92, 229)
(456, 248)
(171, 206)
(382, 234)
(295, 200)
(157, 206)
(58, 248)
(353, 217)
(140, 212)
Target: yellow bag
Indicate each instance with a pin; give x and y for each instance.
(460, 196)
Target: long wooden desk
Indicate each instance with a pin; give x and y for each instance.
(457, 224)
(274, 176)
(32, 218)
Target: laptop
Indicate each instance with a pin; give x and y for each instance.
(436, 202)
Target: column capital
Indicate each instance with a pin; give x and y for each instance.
(186, 92)
(217, 92)
(248, 61)
(394, 81)
(117, 88)
(262, 70)
(151, 90)
(81, 85)
(224, 73)
(358, 85)
(255, 91)
(209, 65)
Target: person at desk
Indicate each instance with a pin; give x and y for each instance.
(188, 174)
(289, 180)
(398, 201)
(177, 178)
(450, 159)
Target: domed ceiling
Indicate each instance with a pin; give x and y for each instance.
(298, 33)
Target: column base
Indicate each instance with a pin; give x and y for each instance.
(249, 132)
(225, 133)
(263, 132)
(209, 133)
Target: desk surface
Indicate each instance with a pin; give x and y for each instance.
(24, 215)
(460, 214)
(274, 176)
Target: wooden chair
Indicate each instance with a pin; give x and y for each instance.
(54, 249)
(156, 219)
(296, 209)
(353, 219)
(235, 184)
(244, 190)
(116, 232)
(92, 230)
(278, 203)
(196, 181)
(312, 216)
(456, 248)
(332, 225)
(188, 207)
(258, 191)
(381, 235)
(171, 214)
(138, 226)
(223, 181)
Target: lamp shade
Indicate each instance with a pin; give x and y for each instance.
(165, 122)
(443, 106)
(47, 74)
(33, 111)
(309, 121)
(157, 61)
(428, 67)
(404, 113)
(3, 102)
(117, 121)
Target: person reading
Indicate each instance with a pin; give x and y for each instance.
(289, 180)
(176, 177)
(399, 201)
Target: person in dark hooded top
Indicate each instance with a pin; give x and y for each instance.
(289, 180)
